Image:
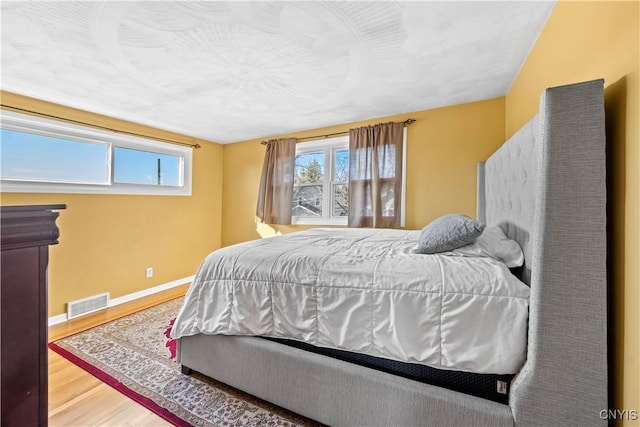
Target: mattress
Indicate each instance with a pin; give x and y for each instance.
(487, 386)
(364, 291)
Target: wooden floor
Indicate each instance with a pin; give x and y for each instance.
(77, 398)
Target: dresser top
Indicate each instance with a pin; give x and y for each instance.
(31, 208)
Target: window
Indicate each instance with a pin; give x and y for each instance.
(321, 177)
(321, 182)
(145, 167)
(41, 155)
(31, 157)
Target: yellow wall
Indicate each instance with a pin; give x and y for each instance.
(443, 147)
(583, 41)
(108, 241)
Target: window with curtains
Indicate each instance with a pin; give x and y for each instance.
(42, 155)
(321, 182)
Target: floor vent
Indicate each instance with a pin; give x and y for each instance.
(87, 305)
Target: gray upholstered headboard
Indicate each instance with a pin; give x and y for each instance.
(546, 188)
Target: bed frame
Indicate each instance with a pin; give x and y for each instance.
(546, 188)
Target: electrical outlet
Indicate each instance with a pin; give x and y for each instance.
(149, 272)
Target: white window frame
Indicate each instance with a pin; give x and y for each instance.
(403, 196)
(63, 130)
(330, 146)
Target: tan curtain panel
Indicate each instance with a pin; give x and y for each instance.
(375, 176)
(276, 184)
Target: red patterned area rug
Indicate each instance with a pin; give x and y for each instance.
(134, 355)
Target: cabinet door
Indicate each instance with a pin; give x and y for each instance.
(24, 336)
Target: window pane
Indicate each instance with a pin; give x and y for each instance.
(341, 167)
(145, 167)
(307, 200)
(31, 157)
(309, 168)
(308, 185)
(340, 199)
(387, 194)
(387, 158)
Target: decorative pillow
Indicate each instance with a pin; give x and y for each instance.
(495, 244)
(447, 233)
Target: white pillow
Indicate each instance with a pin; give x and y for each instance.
(495, 244)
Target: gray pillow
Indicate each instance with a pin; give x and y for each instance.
(447, 233)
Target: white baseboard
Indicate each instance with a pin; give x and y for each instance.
(54, 320)
(130, 297)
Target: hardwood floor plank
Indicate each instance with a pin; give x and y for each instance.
(77, 398)
(66, 382)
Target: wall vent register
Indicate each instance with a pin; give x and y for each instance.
(88, 305)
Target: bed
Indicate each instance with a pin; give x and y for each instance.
(544, 188)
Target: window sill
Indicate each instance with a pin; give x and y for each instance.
(69, 188)
(319, 221)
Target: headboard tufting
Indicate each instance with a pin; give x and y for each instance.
(508, 183)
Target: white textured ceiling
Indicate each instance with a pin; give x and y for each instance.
(231, 71)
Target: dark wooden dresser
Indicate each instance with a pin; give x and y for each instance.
(26, 233)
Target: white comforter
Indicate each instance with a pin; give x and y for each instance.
(364, 290)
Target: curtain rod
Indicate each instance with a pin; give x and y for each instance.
(406, 123)
(186, 144)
